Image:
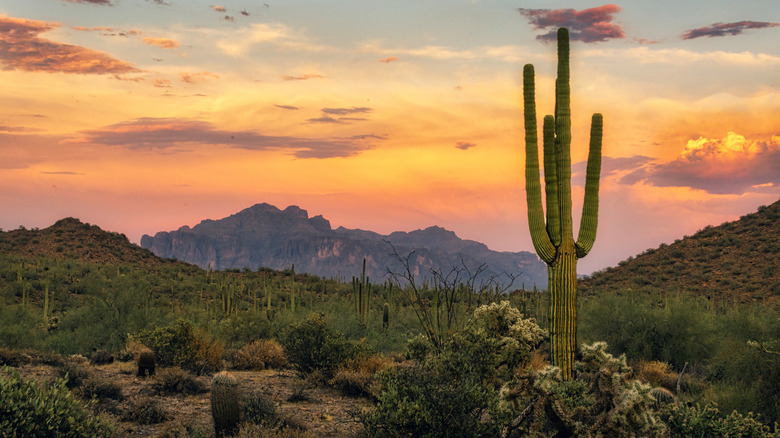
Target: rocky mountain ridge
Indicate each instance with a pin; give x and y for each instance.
(265, 236)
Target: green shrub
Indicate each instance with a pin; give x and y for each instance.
(27, 410)
(311, 345)
(146, 410)
(257, 408)
(170, 381)
(180, 345)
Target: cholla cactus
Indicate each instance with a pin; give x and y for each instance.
(603, 400)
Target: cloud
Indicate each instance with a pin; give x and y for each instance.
(302, 77)
(229, 18)
(22, 49)
(287, 107)
(588, 25)
(168, 133)
(61, 172)
(647, 55)
(219, 9)
(345, 111)
(328, 113)
(6, 128)
(389, 59)
(239, 42)
(165, 43)
(162, 83)
(108, 31)
(245, 13)
(192, 78)
(723, 29)
(463, 145)
(730, 165)
(94, 2)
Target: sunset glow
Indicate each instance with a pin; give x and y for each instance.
(145, 115)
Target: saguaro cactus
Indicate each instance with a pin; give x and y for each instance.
(554, 240)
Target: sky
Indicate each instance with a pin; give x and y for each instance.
(142, 116)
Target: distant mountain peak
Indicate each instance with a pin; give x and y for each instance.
(264, 236)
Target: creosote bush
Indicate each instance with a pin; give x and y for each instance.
(29, 410)
(260, 354)
(312, 345)
(180, 345)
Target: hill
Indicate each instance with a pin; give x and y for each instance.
(70, 238)
(265, 236)
(735, 261)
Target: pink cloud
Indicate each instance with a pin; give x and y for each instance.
(389, 59)
(165, 43)
(588, 25)
(22, 49)
(192, 78)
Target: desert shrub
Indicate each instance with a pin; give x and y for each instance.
(259, 354)
(146, 410)
(11, 358)
(75, 372)
(101, 357)
(100, 388)
(656, 373)
(177, 381)
(252, 430)
(180, 345)
(312, 345)
(29, 410)
(257, 408)
(356, 377)
(21, 327)
(242, 327)
(685, 420)
(672, 330)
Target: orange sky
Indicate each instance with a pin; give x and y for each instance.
(144, 116)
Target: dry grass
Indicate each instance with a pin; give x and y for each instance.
(260, 354)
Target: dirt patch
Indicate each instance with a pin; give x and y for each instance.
(323, 411)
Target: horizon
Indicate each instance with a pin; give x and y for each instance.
(147, 115)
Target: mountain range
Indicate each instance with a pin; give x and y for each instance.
(265, 236)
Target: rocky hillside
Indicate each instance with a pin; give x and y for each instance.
(735, 261)
(264, 236)
(70, 238)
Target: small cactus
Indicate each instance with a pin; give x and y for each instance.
(224, 404)
(385, 316)
(146, 364)
(663, 397)
(101, 357)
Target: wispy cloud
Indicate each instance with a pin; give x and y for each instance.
(240, 41)
(647, 55)
(588, 25)
(301, 77)
(343, 115)
(108, 31)
(94, 2)
(724, 29)
(389, 59)
(22, 49)
(61, 172)
(729, 165)
(287, 107)
(193, 78)
(165, 43)
(345, 111)
(464, 145)
(170, 133)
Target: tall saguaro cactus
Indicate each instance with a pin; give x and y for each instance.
(554, 240)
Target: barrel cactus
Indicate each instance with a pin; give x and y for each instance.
(225, 404)
(145, 364)
(554, 240)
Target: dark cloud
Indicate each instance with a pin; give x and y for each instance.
(326, 119)
(731, 165)
(287, 107)
(588, 25)
(62, 172)
(168, 133)
(244, 13)
(94, 2)
(22, 49)
(6, 128)
(724, 29)
(345, 111)
(302, 77)
(463, 145)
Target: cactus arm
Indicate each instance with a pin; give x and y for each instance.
(551, 181)
(590, 208)
(533, 189)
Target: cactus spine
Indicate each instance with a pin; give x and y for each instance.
(554, 241)
(224, 404)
